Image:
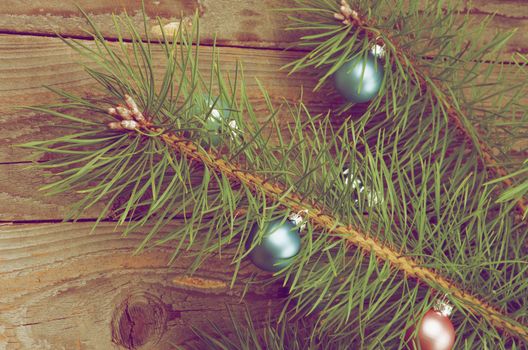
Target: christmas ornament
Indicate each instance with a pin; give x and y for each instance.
(359, 80)
(279, 245)
(217, 114)
(299, 219)
(373, 198)
(435, 332)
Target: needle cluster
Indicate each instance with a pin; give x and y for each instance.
(367, 269)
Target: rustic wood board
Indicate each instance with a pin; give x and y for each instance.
(33, 62)
(258, 22)
(239, 23)
(63, 288)
(21, 199)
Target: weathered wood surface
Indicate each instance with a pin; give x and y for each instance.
(29, 63)
(239, 23)
(249, 23)
(20, 198)
(508, 15)
(63, 288)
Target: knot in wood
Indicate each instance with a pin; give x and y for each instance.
(139, 322)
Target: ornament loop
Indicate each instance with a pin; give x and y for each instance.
(443, 307)
(378, 50)
(299, 219)
(373, 197)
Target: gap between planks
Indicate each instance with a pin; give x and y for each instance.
(258, 24)
(206, 43)
(24, 78)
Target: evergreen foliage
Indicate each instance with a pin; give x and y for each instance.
(440, 224)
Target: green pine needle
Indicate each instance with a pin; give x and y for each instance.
(426, 194)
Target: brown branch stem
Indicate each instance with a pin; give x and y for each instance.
(321, 218)
(350, 17)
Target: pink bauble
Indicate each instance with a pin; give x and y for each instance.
(436, 332)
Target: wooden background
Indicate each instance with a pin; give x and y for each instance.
(62, 288)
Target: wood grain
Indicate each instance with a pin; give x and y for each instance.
(20, 198)
(257, 24)
(508, 15)
(63, 288)
(254, 23)
(510, 9)
(29, 63)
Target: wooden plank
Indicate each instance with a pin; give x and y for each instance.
(508, 15)
(29, 63)
(52, 63)
(511, 9)
(257, 24)
(63, 288)
(20, 198)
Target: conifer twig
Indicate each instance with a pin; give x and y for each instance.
(349, 16)
(321, 218)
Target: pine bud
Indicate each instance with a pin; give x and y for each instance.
(132, 105)
(346, 11)
(112, 111)
(129, 124)
(139, 117)
(124, 113)
(115, 126)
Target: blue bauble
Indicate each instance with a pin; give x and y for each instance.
(216, 114)
(279, 245)
(359, 80)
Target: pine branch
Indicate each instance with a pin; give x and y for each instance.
(322, 218)
(350, 18)
(435, 208)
